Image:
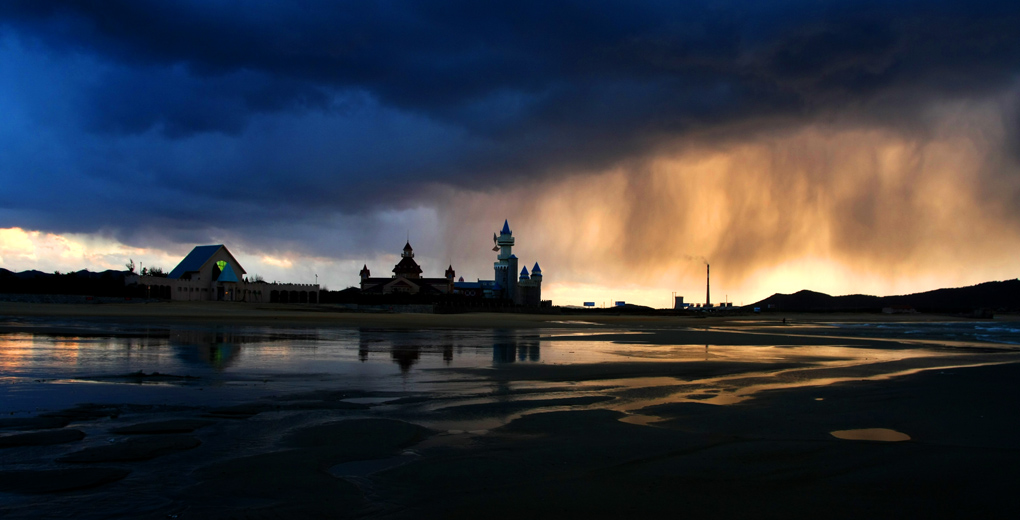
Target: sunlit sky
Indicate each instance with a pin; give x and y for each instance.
(843, 147)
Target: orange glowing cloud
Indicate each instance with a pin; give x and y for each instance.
(24, 250)
(827, 207)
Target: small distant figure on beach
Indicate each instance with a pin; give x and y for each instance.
(784, 321)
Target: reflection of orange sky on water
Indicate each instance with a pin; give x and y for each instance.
(574, 351)
(735, 388)
(727, 390)
(15, 351)
(68, 351)
(20, 351)
(23, 350)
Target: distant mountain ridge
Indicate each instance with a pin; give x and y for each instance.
(84, 282)
(84, 273)
(999, 296)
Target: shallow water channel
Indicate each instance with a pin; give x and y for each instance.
(461, 379)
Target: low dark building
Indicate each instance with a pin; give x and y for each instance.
(406, 279)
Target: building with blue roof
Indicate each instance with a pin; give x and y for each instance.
(211, 273)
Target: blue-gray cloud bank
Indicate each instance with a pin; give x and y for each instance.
(195, 116)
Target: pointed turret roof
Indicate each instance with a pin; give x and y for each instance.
(506, 228)
(536, 269)
(408, 267)
(227, 274)
(524, 271)
(408, 251)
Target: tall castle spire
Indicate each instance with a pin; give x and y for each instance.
(506, 263)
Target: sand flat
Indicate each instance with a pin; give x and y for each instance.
(536, 438)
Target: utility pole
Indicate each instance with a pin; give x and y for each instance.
(708, 284)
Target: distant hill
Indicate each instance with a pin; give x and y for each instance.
(998, 296)
(106, 283)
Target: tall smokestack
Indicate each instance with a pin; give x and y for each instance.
(708, 285)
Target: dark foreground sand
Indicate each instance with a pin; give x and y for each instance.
(321, 455)
(770, 457)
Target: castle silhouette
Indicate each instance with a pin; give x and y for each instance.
(522, 288)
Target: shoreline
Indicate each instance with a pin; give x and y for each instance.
(324, 315)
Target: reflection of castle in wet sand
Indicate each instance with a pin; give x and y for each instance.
(407, 349)
(217, 349)
(521, 348)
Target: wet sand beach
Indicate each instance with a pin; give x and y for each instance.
(203, 412)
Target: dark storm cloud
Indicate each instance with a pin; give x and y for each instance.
(182, 104)
(444, 59)
(275, 109)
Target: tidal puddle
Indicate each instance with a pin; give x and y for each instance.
(640, 420)
(871, 434)
(364, 468)
(369, 400)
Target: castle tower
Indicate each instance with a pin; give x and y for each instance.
(513, 290)
(407, 267)
(529, 287)
(536, 281)
(450, 276)
(365, 273)
(506, 262)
